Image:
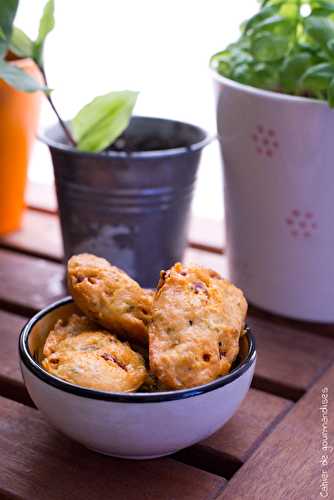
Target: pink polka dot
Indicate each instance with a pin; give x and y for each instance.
(307, 234)
(265, 142)
(259, 150)
(260, 129)
(275, 144)
(314, 225)
(309, 215)
(271, 132)
(269, 153)
(296, 212)
(302, 224)
(294, 233)
(289, 221)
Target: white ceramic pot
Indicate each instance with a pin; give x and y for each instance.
(134, 425)
(278, 156)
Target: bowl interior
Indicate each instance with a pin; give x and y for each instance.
(46, 322)
(44, 325)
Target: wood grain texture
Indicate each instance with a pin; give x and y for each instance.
(288, 462)
(10, 327)
(257, 415)
(37, 462)
(232, 444)
(289, 358)
(224, 452)
(11, 384)
(28, 284)
(39, 236)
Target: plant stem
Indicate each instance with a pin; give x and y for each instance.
(63, 125)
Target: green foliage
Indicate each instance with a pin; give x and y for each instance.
(100, 122)
(8, 10)
(283, 50)
(15, 40)
(20, 44)
(17, 78)
(46, 25)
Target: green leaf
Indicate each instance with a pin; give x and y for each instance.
(292, 70)
(269, 47)
(276, 24)
(18, 79)
(320, 29)
(317, 78)
(21, 44)
(99, 123)
(330, 93)
(8, 10)
(46, 25)
(264, 13)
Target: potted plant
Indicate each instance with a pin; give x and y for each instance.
(124, 184)
(274, 92)
(19, 114)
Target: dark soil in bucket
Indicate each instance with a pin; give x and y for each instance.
(155, 135)
(153, 143)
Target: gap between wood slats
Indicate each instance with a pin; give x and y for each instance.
(269, 385)
(12, 389)
(220, 463)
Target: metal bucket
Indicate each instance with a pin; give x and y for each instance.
(131, 208)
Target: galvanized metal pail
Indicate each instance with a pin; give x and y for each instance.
(130, 207)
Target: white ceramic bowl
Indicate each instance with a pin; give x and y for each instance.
(134, 425)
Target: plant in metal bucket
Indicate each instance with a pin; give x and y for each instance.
(98, 124)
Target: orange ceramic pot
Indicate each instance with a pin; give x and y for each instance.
(19, 114)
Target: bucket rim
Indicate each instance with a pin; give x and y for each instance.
(45, 137)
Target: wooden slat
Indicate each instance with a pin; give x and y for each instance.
(289, 356)
(37, 462)
(288, 464)
(28, 284)
(39, 236)
(229, 446)
(323, 329)
(289, 360)
(257, 415)
(10, 327)
(11, 384)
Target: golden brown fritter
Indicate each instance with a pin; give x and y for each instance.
(110, 297)
(79, 352)
(197, 319)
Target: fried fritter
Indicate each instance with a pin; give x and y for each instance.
(110, 297)
(79, 352)
(197, 319)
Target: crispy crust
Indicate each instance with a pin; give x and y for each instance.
(81, 353)
(110, 297)
(197, 319)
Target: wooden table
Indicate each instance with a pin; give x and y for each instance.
(271, 449)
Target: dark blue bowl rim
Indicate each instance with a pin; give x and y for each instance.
(136, 397)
